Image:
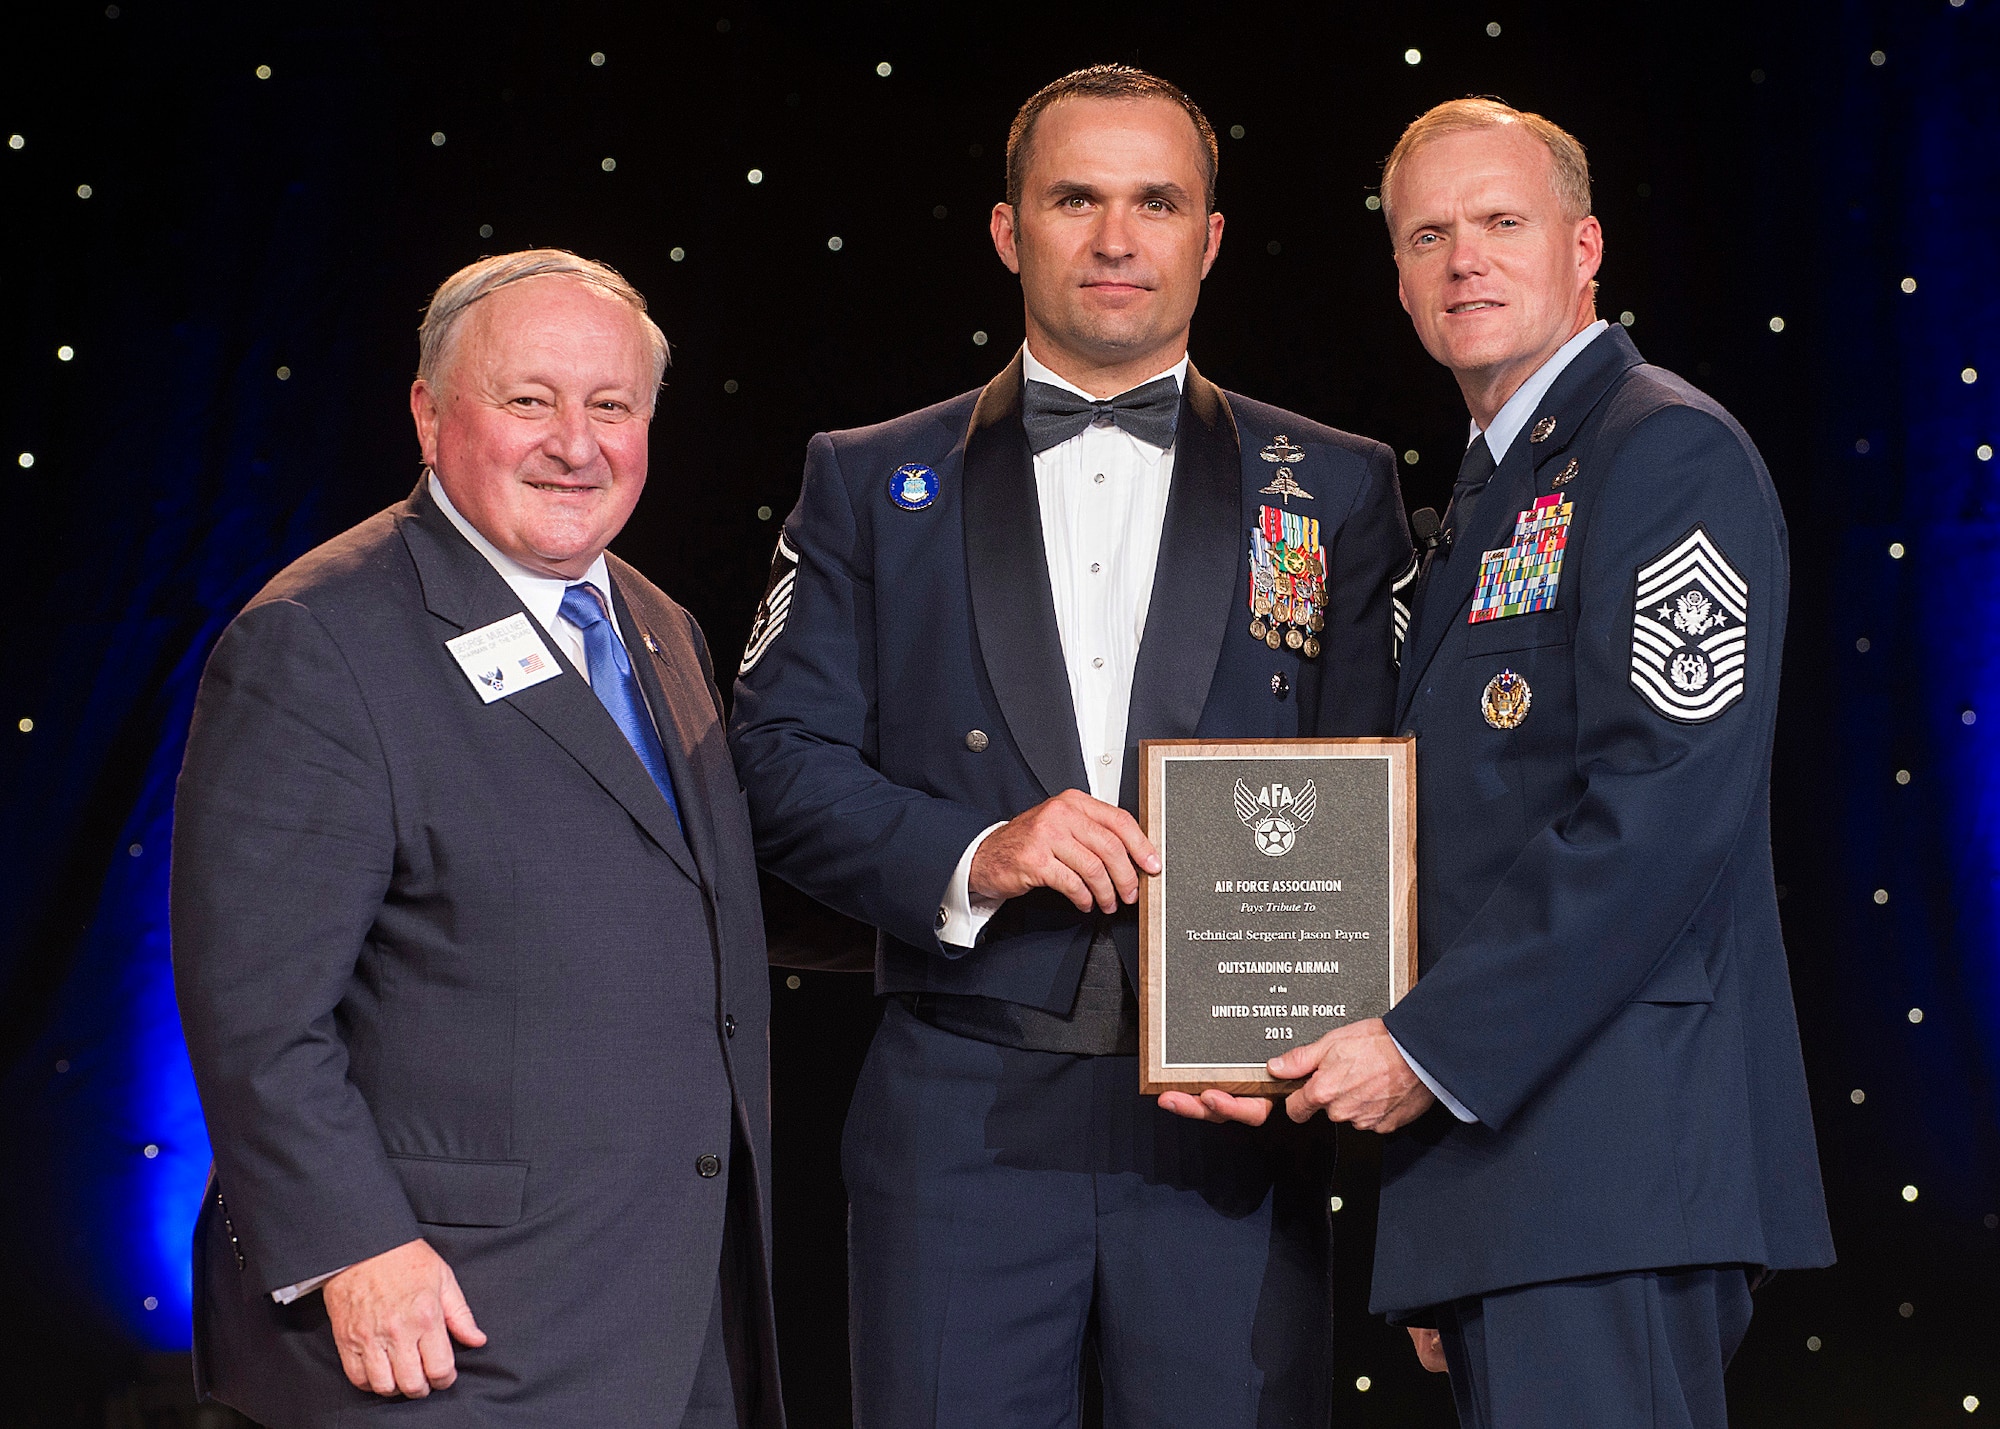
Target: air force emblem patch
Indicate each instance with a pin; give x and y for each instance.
(774, 608)
(1689, 633)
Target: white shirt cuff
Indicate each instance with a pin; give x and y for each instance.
(1451, 1103)
(289, 1293)
(962, 916)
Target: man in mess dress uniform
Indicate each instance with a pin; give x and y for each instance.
(976, 613)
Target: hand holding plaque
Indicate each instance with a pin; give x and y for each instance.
(1285, 909)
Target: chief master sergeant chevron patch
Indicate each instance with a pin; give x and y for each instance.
(1689, 632)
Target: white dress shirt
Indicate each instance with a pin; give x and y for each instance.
(1500, 433)
(542, 596)
(1103, 499)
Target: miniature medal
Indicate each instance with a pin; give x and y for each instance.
(1287, 580)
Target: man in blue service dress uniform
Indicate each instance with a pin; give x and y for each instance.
(1592, 674)
(976, 613)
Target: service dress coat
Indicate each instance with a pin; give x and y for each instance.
(1603, 980)
(451, 969)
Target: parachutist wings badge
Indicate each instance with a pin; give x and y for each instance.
(1275, 815)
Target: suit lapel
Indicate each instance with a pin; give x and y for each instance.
(1449, 589)
(682, 712)
(461, 587)
(1007, 571)
(1194, 582)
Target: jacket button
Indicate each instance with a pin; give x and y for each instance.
(708, 1166)
(728, 1024)
(976, 741)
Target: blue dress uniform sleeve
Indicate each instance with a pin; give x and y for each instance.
(284, 844)
(1597, 902)
(804, 732)
(1357, 667)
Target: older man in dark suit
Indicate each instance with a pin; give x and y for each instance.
(466, 930)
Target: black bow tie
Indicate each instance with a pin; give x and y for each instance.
(1054, 414)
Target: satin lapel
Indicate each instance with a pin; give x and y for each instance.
(1194, 582)
(462, 588)
(1007, 571)
(682, 711)
(1448, 591)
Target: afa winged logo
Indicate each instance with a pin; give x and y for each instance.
(1275, 815)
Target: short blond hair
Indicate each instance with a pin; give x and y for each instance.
(1569, 170)
(456, 294)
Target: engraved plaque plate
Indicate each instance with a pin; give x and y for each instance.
(1286, 904)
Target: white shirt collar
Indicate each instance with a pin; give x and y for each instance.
(1509, 420)
(541, 594)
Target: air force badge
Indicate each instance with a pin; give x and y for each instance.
(1689, 637)
(1274, 815)
(913, 486)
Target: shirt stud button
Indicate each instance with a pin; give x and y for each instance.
(1099, 478)
(1095, 568)
(708, 1166)
(1103, 759)
(1098, 663)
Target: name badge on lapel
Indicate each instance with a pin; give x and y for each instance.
(503, 658)
(1523, 577)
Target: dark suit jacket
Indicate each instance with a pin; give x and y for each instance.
(449, 969)
(1603, 979)
(901, 632)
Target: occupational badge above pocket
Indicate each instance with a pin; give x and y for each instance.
(1690, 636)
(774, 608)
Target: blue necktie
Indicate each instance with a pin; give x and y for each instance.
(612, 681)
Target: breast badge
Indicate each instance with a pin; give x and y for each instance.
(913, 486)
(1523, 577)
(1505, 700)
(1689, 637)
(1287, 581)
(1284, 486)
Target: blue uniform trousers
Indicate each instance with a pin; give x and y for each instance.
(1007, 1204)
(1644, 1350)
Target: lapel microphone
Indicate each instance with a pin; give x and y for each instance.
(1424, 525)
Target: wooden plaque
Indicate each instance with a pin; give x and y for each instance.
(1286, 905)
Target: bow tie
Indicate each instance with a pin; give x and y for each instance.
(1054, 414)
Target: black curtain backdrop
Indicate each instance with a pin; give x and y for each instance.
(238, 296)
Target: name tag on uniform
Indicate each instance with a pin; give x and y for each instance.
(504, 657)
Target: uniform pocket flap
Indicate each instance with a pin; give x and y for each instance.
(463, 1193)
(1518, 632)
(1679, 979)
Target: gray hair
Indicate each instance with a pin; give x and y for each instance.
(478, 280)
